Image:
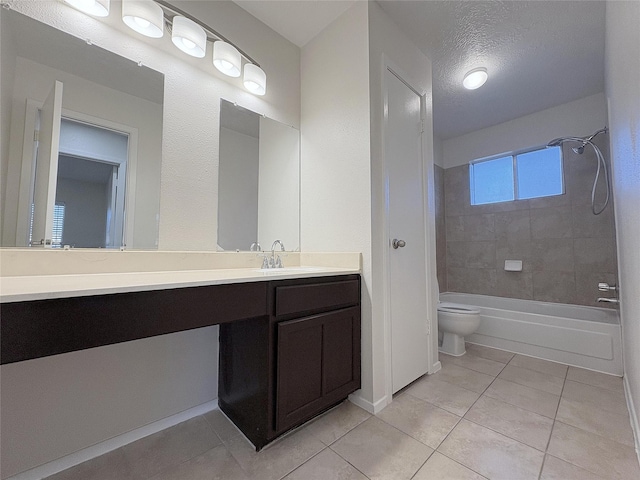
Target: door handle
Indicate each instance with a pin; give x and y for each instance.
(398, 243)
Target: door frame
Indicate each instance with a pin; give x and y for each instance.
(427, 160)
(28, 163)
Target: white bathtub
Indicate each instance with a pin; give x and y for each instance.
(588, 337)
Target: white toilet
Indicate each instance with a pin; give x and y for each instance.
(456, 322)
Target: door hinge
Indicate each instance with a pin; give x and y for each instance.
(422, 125)
(36, 135)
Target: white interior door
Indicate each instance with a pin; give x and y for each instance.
(44, 195)
(407, 262)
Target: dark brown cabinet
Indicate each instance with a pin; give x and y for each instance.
(289, 349)
(315, 366)
(312, 340)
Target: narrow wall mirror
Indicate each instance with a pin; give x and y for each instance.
(258, 181)
(81, 142)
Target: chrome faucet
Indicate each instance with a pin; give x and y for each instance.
(605, 287)
(277, 242)
(255, 247)
(275, 261)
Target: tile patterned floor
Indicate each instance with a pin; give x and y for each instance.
(486, 415)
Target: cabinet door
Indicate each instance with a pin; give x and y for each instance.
(316, 364)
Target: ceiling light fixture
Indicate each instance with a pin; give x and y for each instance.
(189, 37)
(475, 78)
(255, 80)
(144, 16)
(227, 59)
(95, 8)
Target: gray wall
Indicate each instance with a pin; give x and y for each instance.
(85, 216)
(565, 249)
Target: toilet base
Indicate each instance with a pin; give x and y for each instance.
(452, 344)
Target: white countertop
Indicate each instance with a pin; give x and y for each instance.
(41, 287)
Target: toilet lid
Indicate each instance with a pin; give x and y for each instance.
(457, 308)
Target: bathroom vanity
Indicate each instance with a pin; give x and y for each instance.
(289, 342)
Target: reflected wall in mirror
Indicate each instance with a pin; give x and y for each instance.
(81, 142)
(258, 181)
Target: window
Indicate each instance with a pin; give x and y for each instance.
(529, 174)
(58, 225)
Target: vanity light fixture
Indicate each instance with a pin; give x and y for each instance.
(475, 78)
(144, 16)
(148, 17)
(188, 36)
(226, 58)
(95, 8)
(255, 80)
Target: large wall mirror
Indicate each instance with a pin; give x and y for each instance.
(258, 181)
(81, 142)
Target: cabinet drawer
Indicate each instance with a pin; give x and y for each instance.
(316, 297)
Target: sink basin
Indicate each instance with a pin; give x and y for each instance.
(276, 271)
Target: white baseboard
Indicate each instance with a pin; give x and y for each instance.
(436, 368)
(633, 415)
(101, 448)
(372, 408)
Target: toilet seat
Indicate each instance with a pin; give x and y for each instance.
(457, 308)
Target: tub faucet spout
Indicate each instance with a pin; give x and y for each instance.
(608, 300)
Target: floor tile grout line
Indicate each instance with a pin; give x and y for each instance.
(597, 386)
(555, 420)
(465, 388)
(456, 461)
(422, 465)
(597, 435)
(430, 404)
(466, 368)
(544, 459)
(404, 433)
(303, 463)
(418, 440)
(467, 355)
(553, 426)
(174, 465)
(338, 453)
(535, 388)
(590, 433)
(507, 436)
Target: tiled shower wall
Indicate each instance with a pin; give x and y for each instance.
(565, 249)
(441, 238)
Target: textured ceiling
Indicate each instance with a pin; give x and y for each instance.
(538, 53)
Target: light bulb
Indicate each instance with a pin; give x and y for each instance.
(188, 43)
(225, 66)
(142, 23)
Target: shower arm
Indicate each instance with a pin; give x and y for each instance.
(601, 164)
